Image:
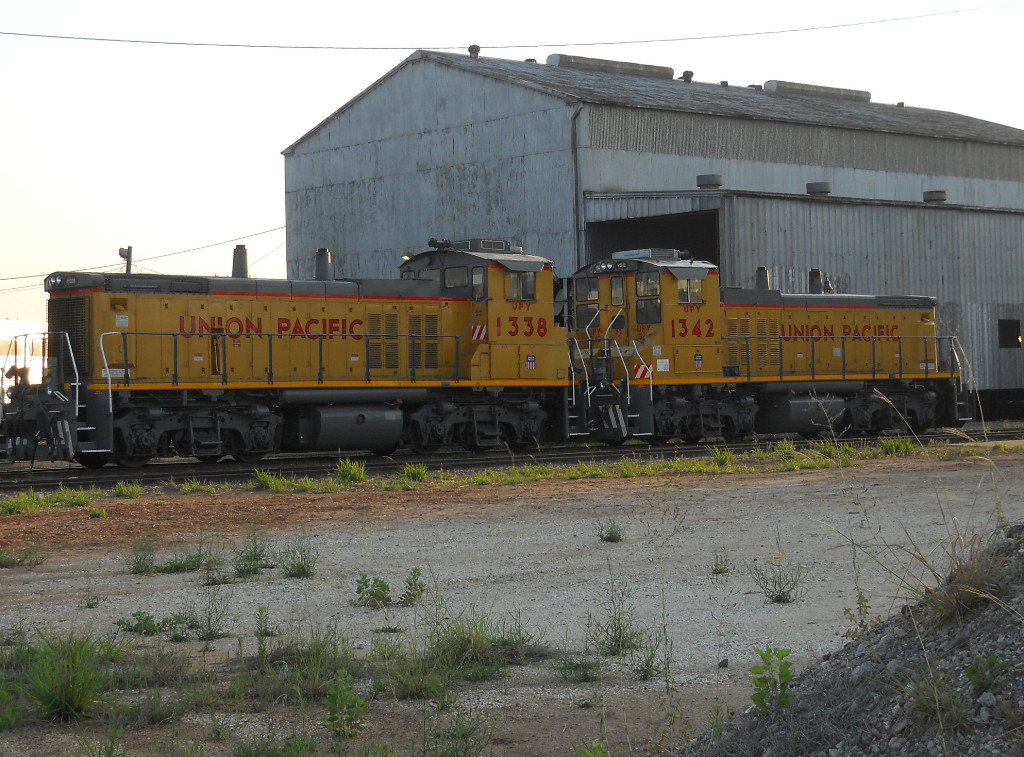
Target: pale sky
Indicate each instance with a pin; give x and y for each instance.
(169, 148)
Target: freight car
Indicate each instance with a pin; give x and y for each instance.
(470, 346)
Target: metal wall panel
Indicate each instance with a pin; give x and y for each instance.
(467, 157)
(971, 260)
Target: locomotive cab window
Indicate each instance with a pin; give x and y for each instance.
(587, 316)
(648, 284)
(455, 278)
(618, 291)
(479, 282)
(586, 289)
(690, 291)
(649, 310)
(429, 274)
(521, 285)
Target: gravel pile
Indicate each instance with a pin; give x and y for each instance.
(920, 683)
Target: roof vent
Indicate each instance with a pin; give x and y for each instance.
(687, 77)
(652, 253)
(709, 181)
(474, 52)
(819, 188)
(610, 66)
(813, 90)
(935, 196)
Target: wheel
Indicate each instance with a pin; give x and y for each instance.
(248, 457)
(92, 460)
(208, 459)
(132, 461)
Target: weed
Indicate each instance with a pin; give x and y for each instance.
(414, 472)
(414, 588)
(895, 446)
(933, 698)
(720, 564)
(646, 661)
(779, 578)
(128, 489)
(784, 449)
(983, 670)
(619, 631)
(97, 512)
(350, 471)
(10, 712)
(722, 457)
(771, 678)
(263, 628)
(272, 481)
(207, 620)
(64, 675)
(143, 624)
(186, 560)
(581, 668)
(31, 557)
(110, 748)
(609, 531)
(629, 468)
(298, 558)
(142, 560)
(374, 593)
(195, 486)
(861, 617)
(64, 497)
(345, 708)
(253, 556)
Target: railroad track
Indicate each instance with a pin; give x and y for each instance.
(50, 476)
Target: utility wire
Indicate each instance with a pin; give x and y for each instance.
(140, 260)
(700, 38)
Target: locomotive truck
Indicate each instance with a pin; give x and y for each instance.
(474, 344)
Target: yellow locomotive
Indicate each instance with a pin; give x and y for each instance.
(469, 346)
(660, 350)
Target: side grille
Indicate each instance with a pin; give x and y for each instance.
(69, 314)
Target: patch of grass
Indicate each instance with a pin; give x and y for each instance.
(617, 631)
(722, 457)
(195, 486)
(30, 557)
(932, 697)
(128, 489)
(64, 676)
(350, 471)
(983, 670)
(895, 446)
(628, 467)
(609, 531)
(779, 577)
(142, 560)
(298, 557)
(272, 482)
(720, 564)
(253, 555)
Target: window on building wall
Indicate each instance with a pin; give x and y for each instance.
(690, 291)
(522, 285)
(1009, 334)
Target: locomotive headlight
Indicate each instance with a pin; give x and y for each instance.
(53, 281)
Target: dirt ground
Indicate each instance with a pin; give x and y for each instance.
(530, 552)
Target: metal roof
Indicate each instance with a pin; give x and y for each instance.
(794, 103)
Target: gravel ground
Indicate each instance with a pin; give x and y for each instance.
(526, 552)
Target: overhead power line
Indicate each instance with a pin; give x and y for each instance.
(697, 38)
(139, 260)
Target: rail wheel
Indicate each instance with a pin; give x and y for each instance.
(92, 460)
(249, 457)
(208, 459)
(132, 461)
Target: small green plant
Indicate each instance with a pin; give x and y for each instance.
(272, 481)
(10, 712)
(771, 678)
(263, 628)
(646, 661)
(414, 472)
(298, 558)
(983, 670)
(350, 471)
(722, 457)
(618, 631)
(345, 708)
(64, 676)
(143, 624)
(895, 446)
(97, 512)
(128, 489)
(195, 486)
(30, 557)
(933, 698)
(784, 449)
(142, 560)
(374, 593)
(414, 588)
(609, 531)
(253, 556)
(720, 564)
(779, 578)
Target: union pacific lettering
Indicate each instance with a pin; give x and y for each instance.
(865, 331)
(310, 328)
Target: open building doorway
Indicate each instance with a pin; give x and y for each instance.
(696, 232)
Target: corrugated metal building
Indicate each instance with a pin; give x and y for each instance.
(576, 158)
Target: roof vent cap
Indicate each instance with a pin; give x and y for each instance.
(580, 63)
(935, 196)
(819, 188)
(709, 181)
